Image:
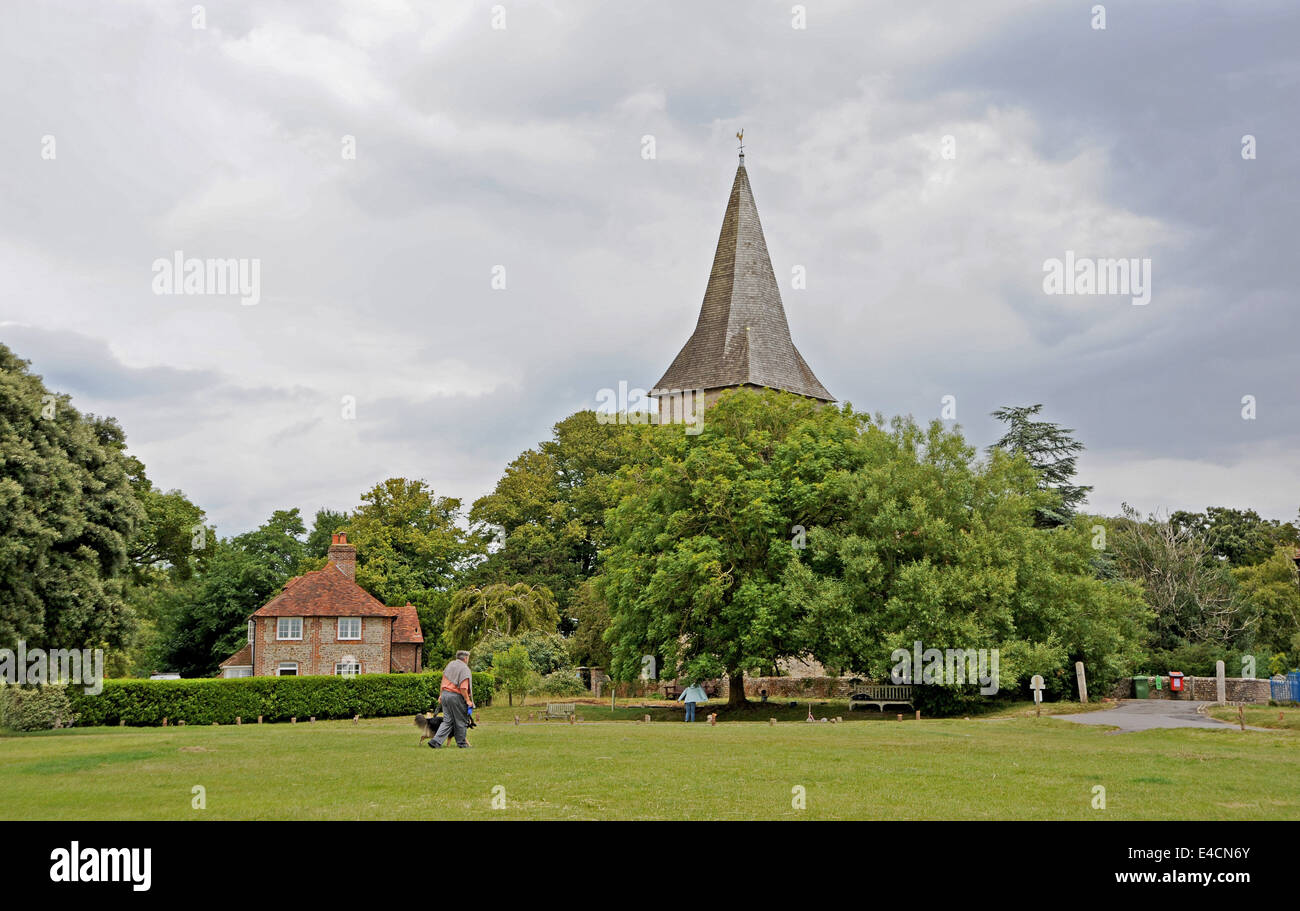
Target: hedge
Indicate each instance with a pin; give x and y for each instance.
(148, 702)
(35, 708)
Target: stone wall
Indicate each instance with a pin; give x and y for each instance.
(1202, 689)
(791, 687)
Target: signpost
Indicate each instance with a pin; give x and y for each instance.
(1036, 684)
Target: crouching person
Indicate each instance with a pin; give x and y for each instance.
(456, 698)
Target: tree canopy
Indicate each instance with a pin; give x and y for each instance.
(68, 516)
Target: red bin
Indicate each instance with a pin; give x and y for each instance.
(1176, 681)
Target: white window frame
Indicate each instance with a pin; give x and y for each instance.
(284, 666)
(338, 665)
(339, 631)
(240, 670)
(279, 629)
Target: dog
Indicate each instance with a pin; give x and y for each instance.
(430, 721)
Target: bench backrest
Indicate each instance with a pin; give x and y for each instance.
(561, 708)
(885, 691)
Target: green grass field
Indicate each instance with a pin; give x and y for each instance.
(1009, 766)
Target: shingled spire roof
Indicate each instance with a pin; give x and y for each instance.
(741, 337)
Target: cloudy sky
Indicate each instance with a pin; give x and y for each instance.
(130, 133)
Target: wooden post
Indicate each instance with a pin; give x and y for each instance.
(164, 722)
(239, 719)
(356, 719)
(1241, 714)
(293, 720)
(646, 719)
(918, 714)
(516, 721)
(312, 719)
(181, 722)
(713, 719)
(1083, 681)
(900, 717)
(122, 722)
(771, 722)
(259, 719)
(572, 718)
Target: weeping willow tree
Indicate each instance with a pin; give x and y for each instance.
(499, 608)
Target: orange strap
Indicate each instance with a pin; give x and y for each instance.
(450, 687)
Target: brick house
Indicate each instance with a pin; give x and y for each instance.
(324, 623)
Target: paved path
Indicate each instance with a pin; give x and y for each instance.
(1145, 714)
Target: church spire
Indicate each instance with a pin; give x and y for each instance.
(741, 337)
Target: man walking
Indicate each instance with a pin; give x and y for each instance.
(456, 697)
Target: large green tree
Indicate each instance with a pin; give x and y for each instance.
(1272, 590)
(1239, 536)
(1190, 591)
(547, 513)
(68, 514)
(412, 547)
(927, 543)
(1053, 453)
(703, 532)
(502, 609)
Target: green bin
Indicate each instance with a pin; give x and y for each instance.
(1141, 688)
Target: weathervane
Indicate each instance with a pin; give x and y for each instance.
(741, 137)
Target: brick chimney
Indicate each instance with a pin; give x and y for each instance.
(343, 555)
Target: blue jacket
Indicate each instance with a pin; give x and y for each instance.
(693, 694)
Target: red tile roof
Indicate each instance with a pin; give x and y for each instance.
(324, 593)
(406, 627)
(241, 658)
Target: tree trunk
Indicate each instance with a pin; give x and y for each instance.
(736, 690)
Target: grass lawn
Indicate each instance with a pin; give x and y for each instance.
(1284, 718)
(1008, 766)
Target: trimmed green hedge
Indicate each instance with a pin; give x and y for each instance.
(148, 702)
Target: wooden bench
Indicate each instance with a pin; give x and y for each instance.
(673, 690)
(560, 710)
(881, 695)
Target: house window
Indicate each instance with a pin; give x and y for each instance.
(349, 627)
(287, 669)
(288, 628)
(348, 667)
(239, 672)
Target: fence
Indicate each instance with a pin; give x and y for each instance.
(1285, 689)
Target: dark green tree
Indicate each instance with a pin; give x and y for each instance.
(1239, 536)
(68, 514)
(547, 513)
(324, 526)
(1052, 452)
(206, 621)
